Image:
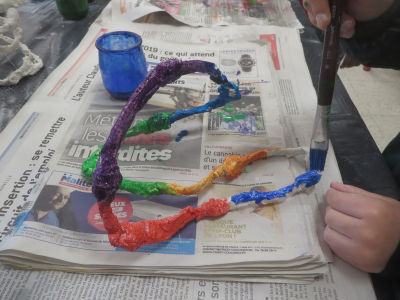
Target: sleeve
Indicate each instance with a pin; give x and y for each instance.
(66, 216)
(391, 154)
(392, 269)
(376, 43)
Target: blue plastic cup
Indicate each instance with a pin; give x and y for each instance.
(122, 62)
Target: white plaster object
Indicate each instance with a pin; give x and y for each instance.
(10, 38)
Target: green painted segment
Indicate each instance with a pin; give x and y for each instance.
(146, 188)
(226, 118)
(140, 188)
(239, 117)
(228, 108)
(231, 116)
(89, 165)
(156, 122)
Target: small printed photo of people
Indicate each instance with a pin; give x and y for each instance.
(179, 97)
(52, 207)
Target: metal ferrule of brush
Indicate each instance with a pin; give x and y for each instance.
(319, 138)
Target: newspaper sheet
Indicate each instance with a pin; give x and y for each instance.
(77, 228)
(55, 285)
(72, 110)
(210, 12)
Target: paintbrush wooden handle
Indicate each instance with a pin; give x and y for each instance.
(330, 54)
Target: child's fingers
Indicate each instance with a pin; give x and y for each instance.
(318, 12)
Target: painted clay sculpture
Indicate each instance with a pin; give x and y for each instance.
(102, 166)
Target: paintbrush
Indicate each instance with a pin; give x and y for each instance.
(320, 140)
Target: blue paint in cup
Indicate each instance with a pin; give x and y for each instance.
(122, 62)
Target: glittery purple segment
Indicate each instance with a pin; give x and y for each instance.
(107, 176)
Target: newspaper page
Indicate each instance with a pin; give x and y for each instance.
(73, 107)
(210, 12)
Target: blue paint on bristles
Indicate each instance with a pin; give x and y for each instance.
(320, 140)
(317, 159)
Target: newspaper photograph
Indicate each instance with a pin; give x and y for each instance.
(240, 118)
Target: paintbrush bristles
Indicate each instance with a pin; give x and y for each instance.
(317, 159)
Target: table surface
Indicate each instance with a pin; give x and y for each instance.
(52, 38)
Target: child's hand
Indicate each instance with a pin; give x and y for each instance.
(360, 10)
(362, 228)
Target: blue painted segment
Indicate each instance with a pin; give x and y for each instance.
(309, 178)
(224, 98)
(181, 134)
